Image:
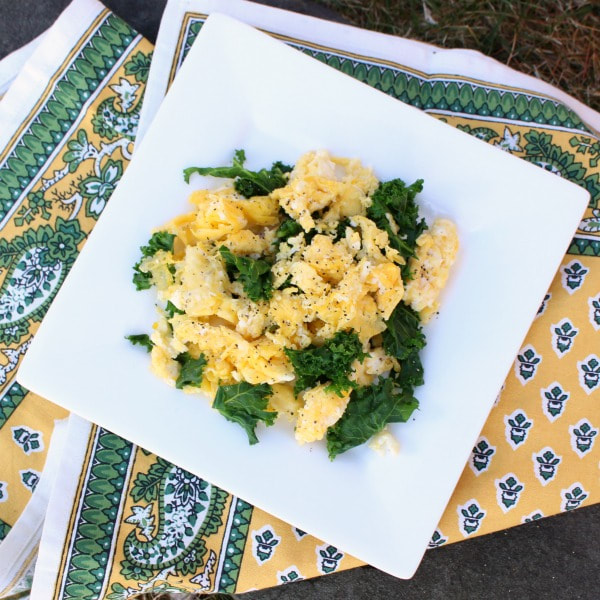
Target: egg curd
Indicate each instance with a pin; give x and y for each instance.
(338, 272)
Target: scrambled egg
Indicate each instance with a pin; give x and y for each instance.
(384, 443)
(436, 250)
(341, 283)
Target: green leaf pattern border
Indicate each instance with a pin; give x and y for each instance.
(86, 555)
(10, 398)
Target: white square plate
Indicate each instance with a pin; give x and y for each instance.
(241, 89)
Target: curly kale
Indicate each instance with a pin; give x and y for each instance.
(247, 183)
(330, 362)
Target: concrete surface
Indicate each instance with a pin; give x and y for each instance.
(555, 558)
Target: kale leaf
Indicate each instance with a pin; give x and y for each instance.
(245, 404)
(290, 228)
(396, 199)
(141, 339)
(369, 410)
(403, 333)
(390, 400)
(171, 310)
(403, 339)
(191, 370)
(247, 183)
(330, 362)
(340, 230)
(288, 284)
(254, 274)
(161, 240)
(287, 229)
(141, 280)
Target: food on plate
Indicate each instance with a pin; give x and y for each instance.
(298, 292)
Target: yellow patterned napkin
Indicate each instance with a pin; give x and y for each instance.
(121, 520)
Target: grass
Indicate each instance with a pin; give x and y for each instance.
(557, 41)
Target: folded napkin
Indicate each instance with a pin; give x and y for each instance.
(121, 520)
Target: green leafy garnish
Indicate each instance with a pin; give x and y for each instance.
(254, 274)
(141, 280)
(161, 240)
(287, 284)
(191, 370)
(403, 339)
(245, 404)
(171, 310)
(247, 183)
(330, 362)
(369, 410)
(389, 400)
(397, 200)
(288, 228)
(340, 230)
(141, 339)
